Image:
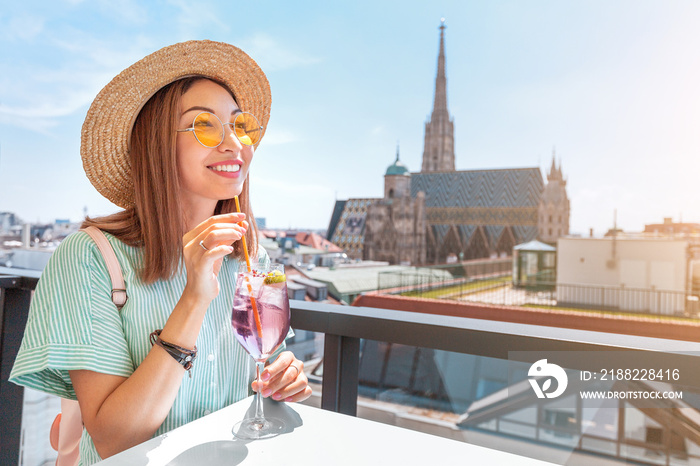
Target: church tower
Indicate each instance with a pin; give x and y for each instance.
(554, 207)
(438, 150)
(397, 181)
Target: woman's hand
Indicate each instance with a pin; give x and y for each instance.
(284, 379)
(205, 247)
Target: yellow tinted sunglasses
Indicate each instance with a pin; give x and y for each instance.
(209, 130)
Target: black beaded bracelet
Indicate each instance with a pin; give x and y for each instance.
(183, 356)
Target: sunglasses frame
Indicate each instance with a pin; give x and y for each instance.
(223, 133)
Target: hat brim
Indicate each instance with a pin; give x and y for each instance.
(107, 128)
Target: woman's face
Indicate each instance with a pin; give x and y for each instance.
(208, 175)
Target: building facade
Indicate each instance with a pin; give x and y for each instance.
(395, 225)
(441, 214)
(554, 206)
(628, 273)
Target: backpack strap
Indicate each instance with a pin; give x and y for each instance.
(119, 296)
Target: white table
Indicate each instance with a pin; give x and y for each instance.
(314, 437)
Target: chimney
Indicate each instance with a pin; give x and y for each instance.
(26, 235)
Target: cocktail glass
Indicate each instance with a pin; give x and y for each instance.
(260, 322)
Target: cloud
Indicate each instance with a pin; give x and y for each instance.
(198, 15)
(280, 137)
(291, 202)
(133, 12)
(23, 28)
(273, 56)
(87, 51)
(37, 94)
(37, 125)
(38, 103)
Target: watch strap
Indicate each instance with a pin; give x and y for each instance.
(183, 356)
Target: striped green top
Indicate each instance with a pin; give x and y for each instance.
(73, 324)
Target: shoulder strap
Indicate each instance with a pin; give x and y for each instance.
(119, 296)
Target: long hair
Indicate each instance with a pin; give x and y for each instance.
(156, 222)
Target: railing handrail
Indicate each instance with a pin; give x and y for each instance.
(19, 278)
(344, 326)
(361, 322)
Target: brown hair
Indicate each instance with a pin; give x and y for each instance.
(156, 222)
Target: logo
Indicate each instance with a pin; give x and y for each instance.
(542, 369)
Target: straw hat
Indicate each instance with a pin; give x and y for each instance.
(107, 128)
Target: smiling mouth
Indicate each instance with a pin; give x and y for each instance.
(226, 168)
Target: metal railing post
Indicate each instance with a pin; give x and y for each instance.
(341, 369)
(15, 308)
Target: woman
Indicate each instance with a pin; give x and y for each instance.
(145, 148)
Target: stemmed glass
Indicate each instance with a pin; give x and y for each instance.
(260, 322)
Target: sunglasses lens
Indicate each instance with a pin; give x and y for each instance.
(247, 129)
(208, 130)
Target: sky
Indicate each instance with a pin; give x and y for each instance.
(611, 87)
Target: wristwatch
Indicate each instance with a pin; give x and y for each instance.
(183, 356)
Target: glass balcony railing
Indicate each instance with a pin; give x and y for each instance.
(472, 380)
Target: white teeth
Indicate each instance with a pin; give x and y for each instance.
(226, 168)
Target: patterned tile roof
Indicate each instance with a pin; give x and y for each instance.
(335, 218)
(515, 187)
(524, 233)
(347, 227)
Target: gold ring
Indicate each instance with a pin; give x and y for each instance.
(295, 367)
(201, 243)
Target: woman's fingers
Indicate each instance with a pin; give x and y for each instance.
(299, 396)
(285, 379)
(217, 235)
(233, 218)
(297, 390)
(222, 234)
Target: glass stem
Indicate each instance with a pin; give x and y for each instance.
(259, 417)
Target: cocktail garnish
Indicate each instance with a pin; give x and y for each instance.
(275, 277)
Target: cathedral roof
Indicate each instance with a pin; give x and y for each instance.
(513, 187)
(397, 168)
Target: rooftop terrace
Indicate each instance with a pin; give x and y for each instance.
(566, 430)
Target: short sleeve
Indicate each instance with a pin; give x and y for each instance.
(73, 323)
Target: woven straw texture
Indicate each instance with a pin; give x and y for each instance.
(107, 127)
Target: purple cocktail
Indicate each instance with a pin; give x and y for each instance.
(273, 309)
(260, 320)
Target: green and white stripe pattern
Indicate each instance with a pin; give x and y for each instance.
(73, 324)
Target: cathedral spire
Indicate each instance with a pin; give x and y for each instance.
(553, 168)
(440, 102)
(438, 151)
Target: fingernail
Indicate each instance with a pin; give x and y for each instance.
(288, 399)
(267, 392)
(265, 376)
(276, 396)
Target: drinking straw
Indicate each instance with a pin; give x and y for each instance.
(256, 314)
